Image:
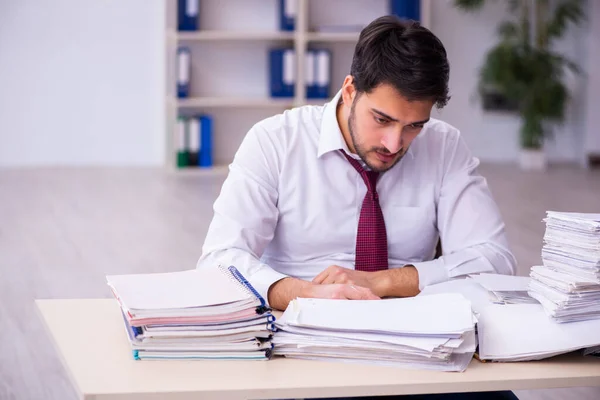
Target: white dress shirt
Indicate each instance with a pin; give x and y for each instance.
(291, 202)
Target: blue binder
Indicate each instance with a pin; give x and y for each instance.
(184, 66)
(406, 9)
(282, 72)
(310, 74)
(288, 9)
(205, 158)
(187, 15)
(322, 74)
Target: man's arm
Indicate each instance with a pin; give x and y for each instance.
(393, 282)
(245, 212)
(469, 221)
(287, 289)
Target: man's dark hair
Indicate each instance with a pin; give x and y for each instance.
(403, 54)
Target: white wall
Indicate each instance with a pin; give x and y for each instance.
(592, 103)
(493, 136)
(81, 82)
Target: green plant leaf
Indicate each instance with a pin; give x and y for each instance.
(568, 11)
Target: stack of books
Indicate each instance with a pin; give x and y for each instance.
(211, 313)
(568, 283)
(433, 332)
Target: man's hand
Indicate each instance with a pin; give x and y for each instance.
(394, 282)
(335, 274)
(287, 289)
(345, 291)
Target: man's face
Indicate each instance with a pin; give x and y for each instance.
(382, 125)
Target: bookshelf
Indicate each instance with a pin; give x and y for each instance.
(229, 62)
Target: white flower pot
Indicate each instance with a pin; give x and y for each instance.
(533, 160)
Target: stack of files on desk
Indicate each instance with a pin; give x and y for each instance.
(505, 289)
(210, 313)
(431, 332)
(523, 332)
(568, 282)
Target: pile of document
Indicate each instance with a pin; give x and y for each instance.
(523, 332)
(568, 282)
(517, 332)
(505, 289)
(211, 313)
(434, 332)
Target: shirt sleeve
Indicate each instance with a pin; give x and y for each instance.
(471, 228)
(246, 213)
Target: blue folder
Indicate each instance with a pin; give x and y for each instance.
(187, 15)
(281, 72)
(287, 14)
(406, 9)
(184, 67)
(205, 158)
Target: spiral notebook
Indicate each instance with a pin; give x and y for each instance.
(206, 295)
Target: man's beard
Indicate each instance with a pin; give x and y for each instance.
(362, 152)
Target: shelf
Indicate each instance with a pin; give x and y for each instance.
(197, 102)
(332, 36)
(234, 36)
(217, 170)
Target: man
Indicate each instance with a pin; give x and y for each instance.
(349, 200)
(290, 215)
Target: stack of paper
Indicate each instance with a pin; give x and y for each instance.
(431, 332)
(568, 282)
(506, 289)
(523, 332)
(211, 313)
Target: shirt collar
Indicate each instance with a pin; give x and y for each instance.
(331, 137)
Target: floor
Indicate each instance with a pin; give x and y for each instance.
(63, 230)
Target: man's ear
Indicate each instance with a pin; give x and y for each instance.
(348, 91)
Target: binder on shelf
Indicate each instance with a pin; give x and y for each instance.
(310, 79)
(187, 15)
(322, 73)
(288, 9)
(194, 141)
(205, 158)
(181, 133)
(406, 9)
(184, 66)
(282, 72)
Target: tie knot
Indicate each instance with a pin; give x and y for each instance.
(370, 177)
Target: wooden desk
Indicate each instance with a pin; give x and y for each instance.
(92, 341)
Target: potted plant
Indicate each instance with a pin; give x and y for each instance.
(524, 72)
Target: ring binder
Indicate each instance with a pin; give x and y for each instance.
(237, 275)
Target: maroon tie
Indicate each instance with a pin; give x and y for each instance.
(371, 238)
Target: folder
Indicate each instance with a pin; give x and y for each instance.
(406, 9)
(288, 10)
(282, 72)
(193, 141)
(184, 66)
(322, 73)
(181, 133)
(187, 15)
(205, 158)
(310, 78)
